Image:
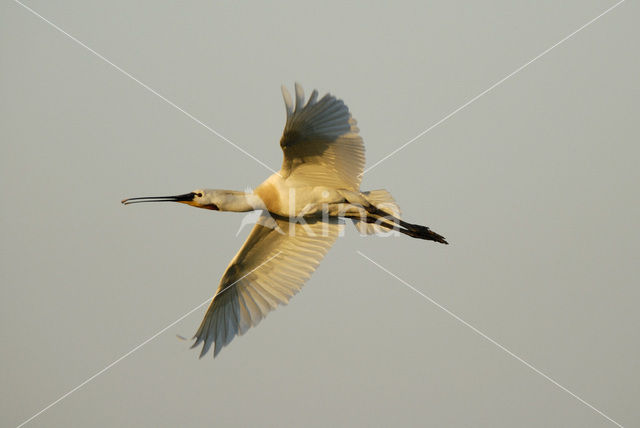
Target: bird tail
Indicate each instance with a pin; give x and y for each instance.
(382, 200)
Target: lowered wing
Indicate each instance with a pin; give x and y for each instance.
(272, 265)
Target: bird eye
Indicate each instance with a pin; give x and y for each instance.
(199, 194)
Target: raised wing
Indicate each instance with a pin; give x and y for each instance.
(272, 265)
(320, 142)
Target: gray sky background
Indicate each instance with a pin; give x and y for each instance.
(535, 185)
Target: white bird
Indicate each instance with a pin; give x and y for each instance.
(301, 205)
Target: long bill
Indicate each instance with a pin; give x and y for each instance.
(178, 198)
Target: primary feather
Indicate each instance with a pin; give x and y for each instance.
(269, 269)
(320, 143)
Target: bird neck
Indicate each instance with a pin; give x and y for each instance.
(240, 202)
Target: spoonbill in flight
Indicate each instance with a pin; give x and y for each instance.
(301, 206)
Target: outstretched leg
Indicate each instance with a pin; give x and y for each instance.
(374, 215)
(409, 229)
(363, 206)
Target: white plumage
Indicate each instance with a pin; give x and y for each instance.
(269, 269)
(320, 143)
(302, 206)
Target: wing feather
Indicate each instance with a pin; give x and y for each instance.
(320, 143)
(268, 270)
